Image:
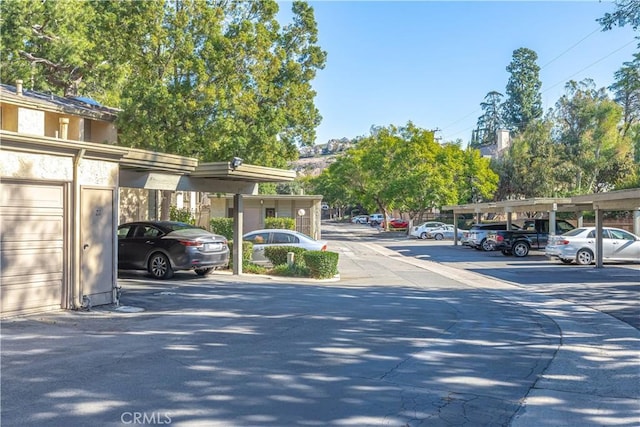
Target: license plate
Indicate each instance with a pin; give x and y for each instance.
(212, 247)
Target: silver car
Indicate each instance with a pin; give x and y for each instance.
(579, 245)
(262, 239)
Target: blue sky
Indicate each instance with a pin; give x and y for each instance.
(432, 63)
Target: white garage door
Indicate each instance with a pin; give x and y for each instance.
(32, 246)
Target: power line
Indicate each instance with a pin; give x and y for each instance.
(554, 85)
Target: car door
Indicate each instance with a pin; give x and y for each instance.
(260, 241)
(135, 248)
(624, 246)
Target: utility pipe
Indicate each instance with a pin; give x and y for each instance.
(77, 231)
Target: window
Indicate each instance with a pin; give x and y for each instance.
(150, 231)
(284, 238)
(123, 231)
(257, 238)
(270, 212)
(622, 235)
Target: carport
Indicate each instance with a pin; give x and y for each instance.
(159, 171)
(621, 200)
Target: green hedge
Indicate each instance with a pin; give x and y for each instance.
(247, 252)
(278, 254)
(223, 226)
(181, 215)
(280, 223)
(321, 264)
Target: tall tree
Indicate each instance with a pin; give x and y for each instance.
(59, 47)
(490, 121)
(404, 168)
(198, 78)
(232, 83)
(626, 90)
(524, 99)
(587, 127)
(627, 12)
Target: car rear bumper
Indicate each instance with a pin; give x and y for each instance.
(198, 259)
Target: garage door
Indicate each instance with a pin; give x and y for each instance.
(32, 246)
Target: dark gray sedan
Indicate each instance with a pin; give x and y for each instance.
(163, 247)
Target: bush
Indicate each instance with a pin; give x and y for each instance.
(247, 250)
(249, 267)
(278, 254)
(223, 226)
(181, 215)
(290, 271)
(280, 223)
(321, 264)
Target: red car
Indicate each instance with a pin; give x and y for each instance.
(397, 223)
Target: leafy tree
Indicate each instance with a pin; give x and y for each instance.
(626, 91)
(587, 127)
(59, 47)
(212, 80)
(534, 163)
(404, 168)
(524, 100)
(627, 12)
(490, 121)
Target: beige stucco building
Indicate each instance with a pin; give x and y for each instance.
(63, 179)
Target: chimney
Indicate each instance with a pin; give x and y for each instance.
(19, 87)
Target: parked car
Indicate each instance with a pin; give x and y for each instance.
(262, 239)
(360, 219)
(376, 219)
(445, 232)
(163, 247)
(477, 236)
(421, 230)
(533, 235)
(396, 223)
(578, 246)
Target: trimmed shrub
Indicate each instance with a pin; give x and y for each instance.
(321, 264)
(278, 254)
(280, 223)
(181, 215)
(223, 226)
(247, 250)
(294, 271)
(249, 267)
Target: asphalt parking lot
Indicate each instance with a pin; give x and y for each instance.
(411, 334)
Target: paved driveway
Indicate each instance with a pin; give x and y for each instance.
(395, 342)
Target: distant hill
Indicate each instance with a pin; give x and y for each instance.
(313, 160)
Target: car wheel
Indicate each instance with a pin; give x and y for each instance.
(584, 257)
(520, 249)
(438, 236)
(160, 267)
(423, 235)
(486, 245)
(506, 252)
(204, 271)
(566, 261)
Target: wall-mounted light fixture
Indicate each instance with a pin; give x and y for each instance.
(236, 162)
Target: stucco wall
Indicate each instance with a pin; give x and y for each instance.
(35, 166)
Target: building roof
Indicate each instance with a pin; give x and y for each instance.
(79, 106)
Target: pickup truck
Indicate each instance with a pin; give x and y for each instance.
(533, 235)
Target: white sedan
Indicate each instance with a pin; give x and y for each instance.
(280, 237)
(421, 230)
(445, 232)
(579, 245)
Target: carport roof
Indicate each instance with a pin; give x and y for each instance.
(612, 200)
(149, 161)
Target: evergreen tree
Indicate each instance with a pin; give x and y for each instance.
(524, 99)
